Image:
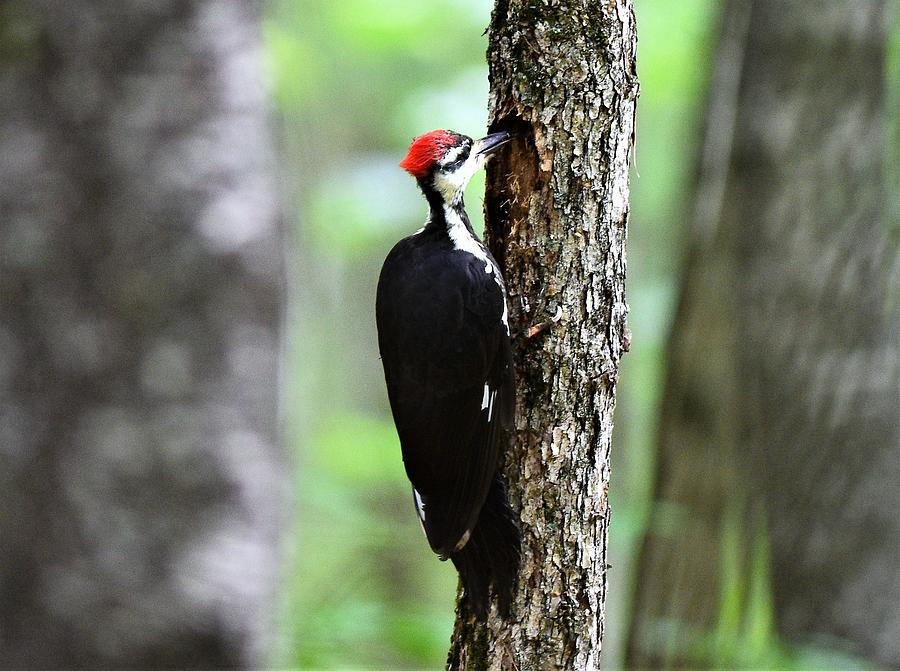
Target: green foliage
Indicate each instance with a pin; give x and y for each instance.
(745, 636)
(362, 582)
(360, 450)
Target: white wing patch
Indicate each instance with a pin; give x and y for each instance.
(420, 505)
(452, 184)
(487, 401)
(462, 541)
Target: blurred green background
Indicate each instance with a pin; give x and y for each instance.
(354, 82)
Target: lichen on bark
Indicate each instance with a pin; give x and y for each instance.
(563, 80)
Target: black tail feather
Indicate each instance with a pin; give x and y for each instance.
(491, 557)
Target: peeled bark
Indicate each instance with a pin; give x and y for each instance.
(141, 294)
(780, 436)
(563, 79)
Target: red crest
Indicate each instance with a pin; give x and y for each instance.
(425, 150)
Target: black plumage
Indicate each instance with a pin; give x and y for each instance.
(445, 349)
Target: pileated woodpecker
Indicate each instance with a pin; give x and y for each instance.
(443, 333)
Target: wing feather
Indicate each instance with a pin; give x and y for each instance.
(441, 344)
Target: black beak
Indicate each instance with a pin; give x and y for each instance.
(491, 143)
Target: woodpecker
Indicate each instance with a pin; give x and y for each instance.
(443, 334)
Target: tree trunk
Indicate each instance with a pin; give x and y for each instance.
(141, 293)
(562, 78)
(780, 438)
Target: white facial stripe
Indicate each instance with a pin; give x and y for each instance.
(459, 234)
(452, 155)
(491, 405)
(451, 184)
(484, 399)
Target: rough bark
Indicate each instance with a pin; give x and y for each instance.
(780, 427)
(141, 288)
(563, 78)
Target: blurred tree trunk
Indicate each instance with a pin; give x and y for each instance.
(141, 293)
(779, 451)
(563, 78)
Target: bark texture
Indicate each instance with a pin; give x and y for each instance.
(563, 78)
(141, 289)
(780, 437)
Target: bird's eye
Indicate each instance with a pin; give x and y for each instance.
(456, 158)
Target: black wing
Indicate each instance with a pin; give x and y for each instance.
(448, 367)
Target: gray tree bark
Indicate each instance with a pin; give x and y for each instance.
(141, 293)
(780, 434)
(562, 78)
